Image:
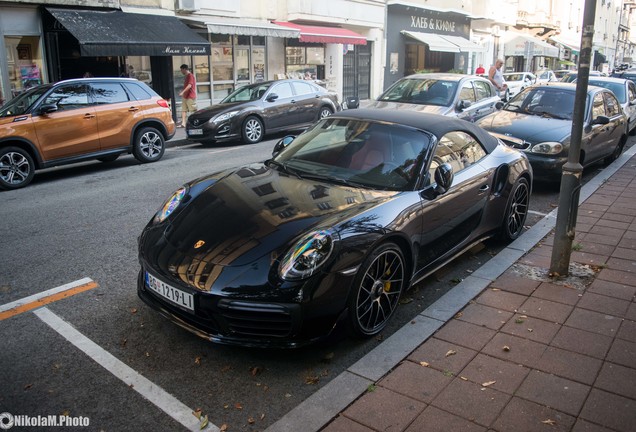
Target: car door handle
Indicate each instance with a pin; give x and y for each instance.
(484, 188)
(133, 109)
(293, 101)
(89, 116)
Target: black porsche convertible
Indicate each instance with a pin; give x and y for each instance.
(331, 230)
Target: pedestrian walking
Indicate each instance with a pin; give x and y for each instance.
(188, 94)
(495, 75)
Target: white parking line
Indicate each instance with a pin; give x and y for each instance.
(537, 213)
(152, 392)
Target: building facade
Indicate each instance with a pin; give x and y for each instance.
(355, 48)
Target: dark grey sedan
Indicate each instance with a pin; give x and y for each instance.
(250, 112)
(539, 122)
(467, 97)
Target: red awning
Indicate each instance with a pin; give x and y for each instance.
(310, 33)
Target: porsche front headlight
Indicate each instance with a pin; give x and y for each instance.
(170, 205)
(307, 255)
(549, 147)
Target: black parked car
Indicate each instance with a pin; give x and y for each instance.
(468, 97)
(539, 122)
(332, 229)
(250, 112)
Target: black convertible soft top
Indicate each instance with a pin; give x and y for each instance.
(436, 124)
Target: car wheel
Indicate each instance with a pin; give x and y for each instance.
(252, 130)
(16, 168)
(109, 158)
(325, 112)
(149, 145)
(516, 211)
(617, 151)
(376, 290)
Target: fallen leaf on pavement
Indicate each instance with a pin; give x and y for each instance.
(549, 422)
(197, 413)
(262, 416)
(223, 427)
(506, 348)
(463, 378)
(423, 363)
(312, 379)
(487, 384)
(458, 315)
(238, 406)
(251, 420)
(256, 370)
(133, 310)
(197, 361)
(28, 386)
(450, 353)
(204, 422)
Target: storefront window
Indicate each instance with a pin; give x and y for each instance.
(258, 62)
(222, 63)
(242, 64)
(315, 56)
(302, 62)
(222, 90)
(138, 67)
(24, 62)
(202, 69)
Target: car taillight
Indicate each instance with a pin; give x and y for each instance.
(163, 103)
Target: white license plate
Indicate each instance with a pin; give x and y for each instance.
(195, 132)
(170, 293)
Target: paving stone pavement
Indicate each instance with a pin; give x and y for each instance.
(529, 353)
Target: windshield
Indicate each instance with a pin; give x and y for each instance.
(514, 77)
(424, 91)
(545, 102)
(358, 152)
(247, 93)
(21, 103)
(617, 88)
(569, 77)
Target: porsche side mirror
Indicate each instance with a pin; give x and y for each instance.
(602, 120)
(352, 102)
(282, 143)
(499, 105)
(272, 97)
(47, 108)
(443, 178)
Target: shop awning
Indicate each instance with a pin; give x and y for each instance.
(464, 44)
(116, 33)
(242, 27)
(434, 41)
(310, 33)
(528, 46)
(574, 47)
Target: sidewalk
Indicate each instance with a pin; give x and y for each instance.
(509, 349)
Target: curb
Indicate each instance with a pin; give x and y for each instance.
(320, 408)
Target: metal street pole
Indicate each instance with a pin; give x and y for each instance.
(571, 178)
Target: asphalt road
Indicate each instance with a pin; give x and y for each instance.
(83, 221)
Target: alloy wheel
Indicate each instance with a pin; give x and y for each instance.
(15, 168)
(379, 292)
(518, 209)
(253, 130)
(151, 144)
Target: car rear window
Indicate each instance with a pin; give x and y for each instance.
(137, 91)
(108, 93)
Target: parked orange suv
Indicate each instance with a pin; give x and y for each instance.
(80, 119)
